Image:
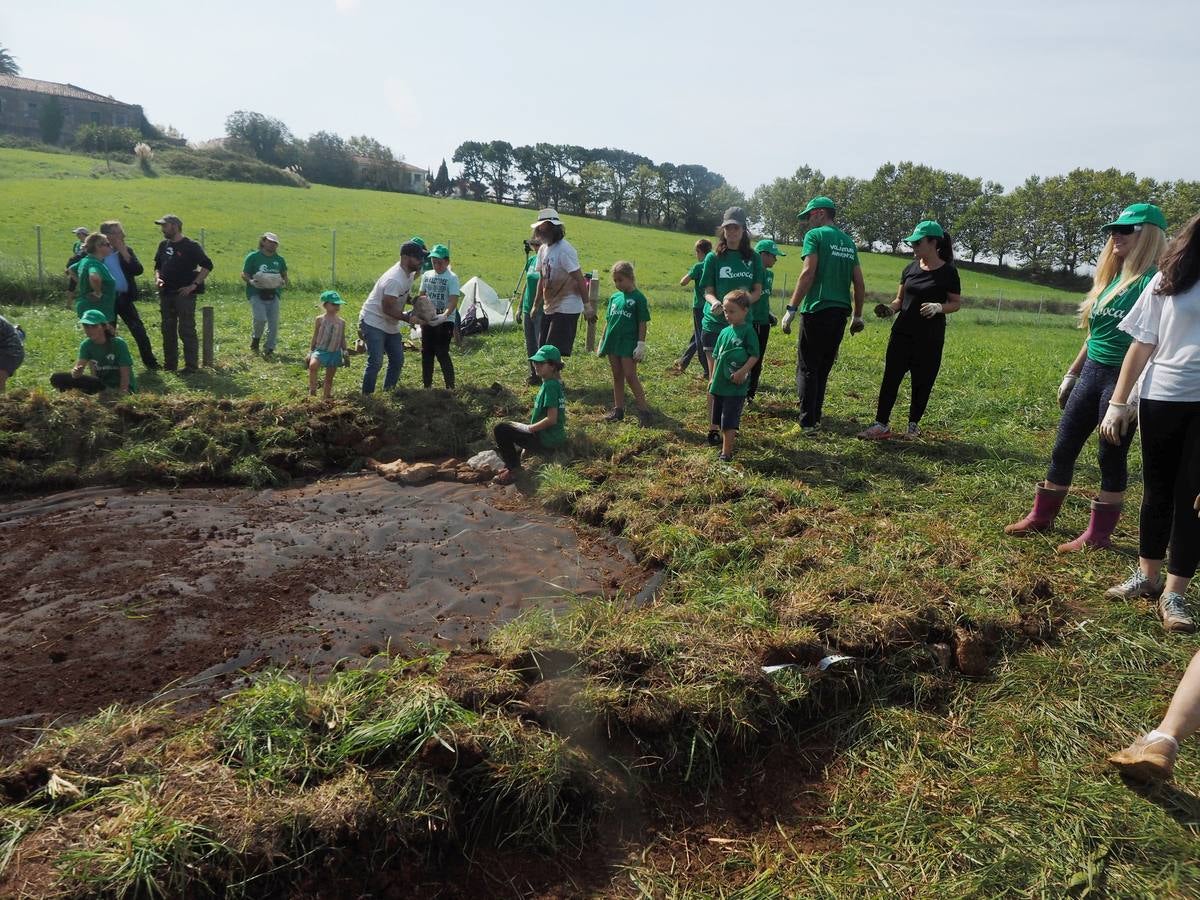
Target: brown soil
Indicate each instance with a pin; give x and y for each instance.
(130, 596)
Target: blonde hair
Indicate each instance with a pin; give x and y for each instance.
(622, 267)
(1152, 241)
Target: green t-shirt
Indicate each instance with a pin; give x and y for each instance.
(77, 249)
(625, 313)
(109, 357)
(836, 258)
(1106, 342)
(551, 396)
(108, 288)
(735, 345)
(697, 288)
(726, 273)
(257, 261)
(531, 282)
(760, 312)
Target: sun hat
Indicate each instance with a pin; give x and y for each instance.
(270, 236)
(735, 215)
(170, 217)
(332, 297)
(1139, 214)
(440, 251)
(412, 248)
(93, 317)
(928, 228)
(80, 230)
(816, 203)
(766, 245)
(547, 353)
(547, 215)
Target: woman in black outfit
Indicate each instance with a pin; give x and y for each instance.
(929, 290)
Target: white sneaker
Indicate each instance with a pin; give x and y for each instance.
(1134, 587)
(914, 430)
(1175, 616)
(876, 432)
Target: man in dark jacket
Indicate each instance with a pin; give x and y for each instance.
(180, 267)
(125, 268)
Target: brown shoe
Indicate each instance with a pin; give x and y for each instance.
(1146, 759)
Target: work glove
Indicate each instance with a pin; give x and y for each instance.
(439, 319)
(1117, 421)
(1064, 389)
(787, 321)
(771, 320)
(883, 311)
(929, 310)
(857, 325)
(639, 352)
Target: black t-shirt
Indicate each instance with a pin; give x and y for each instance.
(177, 263)
(925, 286)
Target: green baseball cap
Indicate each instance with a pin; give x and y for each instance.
(928, 228)
(93, 317)
(546, 353)
(332, 297)
(766, 245)
(816, 203)
(417, 239)
(439, 251)
(1140, 214)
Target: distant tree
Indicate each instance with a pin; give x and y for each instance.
(497, 159)
(595, 187)
(974, 230)
(622, 166)
(441, 182)
(169, 131)
(361, 145)
(263, 137)
(693, 184)
(645, 190)
(8, 63)
(50, 120)
(469, 158)
(106, 139)
(328, 160)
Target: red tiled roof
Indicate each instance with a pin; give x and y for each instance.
(15, 82)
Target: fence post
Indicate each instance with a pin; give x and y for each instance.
(41, 270)
(999, 298)
(202, 247)
(206, 314)
(593, 299)
(1041, 301)
(333, 261)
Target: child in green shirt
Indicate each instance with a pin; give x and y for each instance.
(547, 426)
(734, 356)
(624, 341)
(105, 354)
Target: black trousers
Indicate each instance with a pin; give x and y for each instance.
(1085, 410)
(128, 312)
(694, 347)
(510, 440)
(179, 324)
(435, 344)
(821, 335)
(918, 354)
(763, 332)
(65, 381)
(559, 329)
(1171, 475)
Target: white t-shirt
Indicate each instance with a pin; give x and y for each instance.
(555, 264)
(440, 288)
(1172, 324)
(395, 282)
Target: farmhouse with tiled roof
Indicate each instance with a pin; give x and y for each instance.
(23, 100)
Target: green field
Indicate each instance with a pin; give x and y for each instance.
(901, 779)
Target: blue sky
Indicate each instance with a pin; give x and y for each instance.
(997, 90)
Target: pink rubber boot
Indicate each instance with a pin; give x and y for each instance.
(1046, 504)
(1098, 534)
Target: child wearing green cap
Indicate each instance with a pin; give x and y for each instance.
(760, 313)
(104, 354)
(440, 286)
(328, 346)
(547, 426)
(733, 358)
(624, 341)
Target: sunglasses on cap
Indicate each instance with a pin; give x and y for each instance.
(1125, 229)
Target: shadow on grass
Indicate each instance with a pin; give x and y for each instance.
(215, 382)
(1181, 806)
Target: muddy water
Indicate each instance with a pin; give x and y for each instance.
(125, 596)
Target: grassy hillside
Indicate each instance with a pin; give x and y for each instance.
(60, 192)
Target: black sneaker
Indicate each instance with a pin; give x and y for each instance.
(725, 457)
(615, 415)
(254, 345)
(152, 366)
(714, 438)
(189, 370)
(269, 355)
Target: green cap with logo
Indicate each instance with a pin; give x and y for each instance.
(332, 297)
(766, 245)
(547, 353)
(418, 240)
(816, 203)
(439, 251)
(928, 228)
(93, 317)
(1139, 214)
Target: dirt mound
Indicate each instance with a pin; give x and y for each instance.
(125, 596)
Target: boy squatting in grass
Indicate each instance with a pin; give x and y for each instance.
(733, 359)
(328, 346)
(547, 426)
(105, 354)
(624, 341)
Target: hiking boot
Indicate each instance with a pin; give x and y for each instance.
(1098, 534)
(877, 432)
(644, 417)
(1136, 586)
(254, 345)
(616, 414)
(1175, 616)
(1046, 504)
(810, 430)
(1150, 758)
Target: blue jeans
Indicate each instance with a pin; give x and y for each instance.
(1085, 409)
(378, 343)
(266, 315)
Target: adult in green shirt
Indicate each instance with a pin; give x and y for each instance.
(531, 320)
(1135, 242)
(760, 313)
(822, 297)
(97, 289)
(694, 347)
(266, 275)
(547, 426)
(104, 354)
